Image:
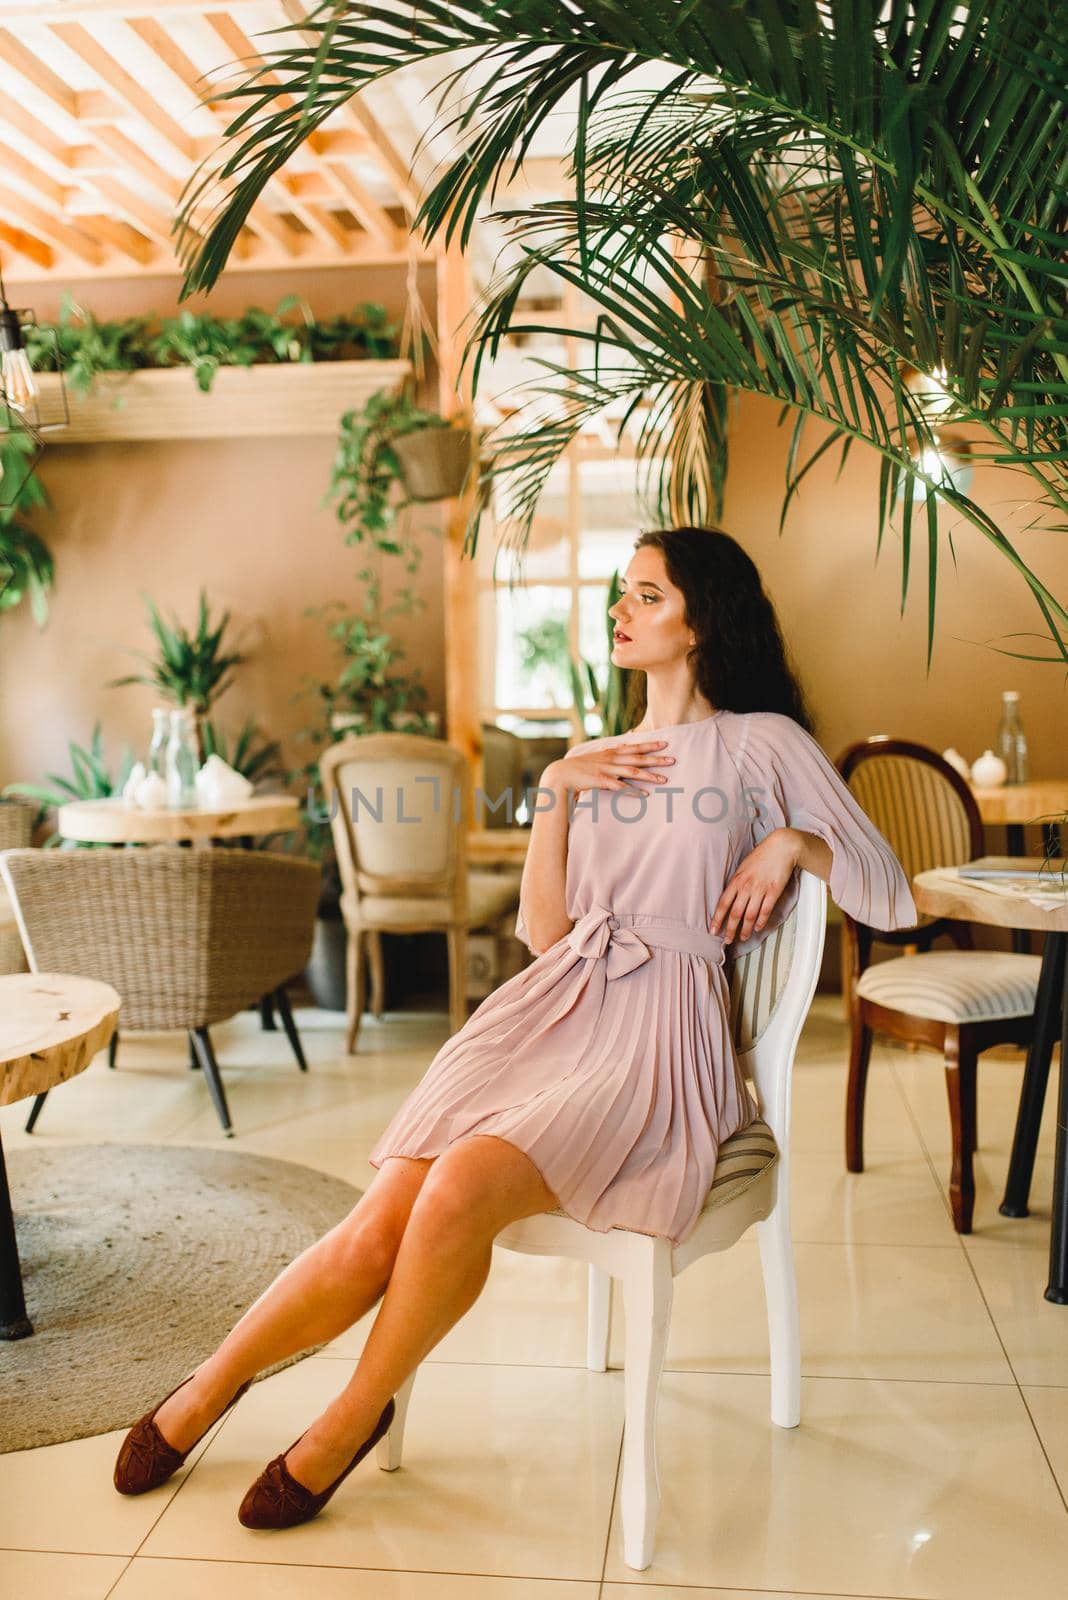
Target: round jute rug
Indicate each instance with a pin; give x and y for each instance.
(137, 1260)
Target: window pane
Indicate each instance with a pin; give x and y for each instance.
(612, 517)
(532, 647)
(548, 552)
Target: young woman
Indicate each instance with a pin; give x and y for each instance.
(602, 1078)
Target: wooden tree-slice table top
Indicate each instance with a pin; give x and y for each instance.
(942, 892)
(112, 822)
(51, 1027)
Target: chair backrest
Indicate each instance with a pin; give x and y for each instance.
(502, 775)
(186, 937)
(771, 990)
(920, 804)
(399, 808)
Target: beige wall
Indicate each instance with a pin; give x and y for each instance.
(242, 518)
(239, 516)
(864, 665)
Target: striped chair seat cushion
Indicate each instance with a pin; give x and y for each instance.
(742, 1159)
(955, 985)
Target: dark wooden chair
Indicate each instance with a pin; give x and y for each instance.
(960, 1001)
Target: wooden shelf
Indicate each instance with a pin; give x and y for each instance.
(287, 400)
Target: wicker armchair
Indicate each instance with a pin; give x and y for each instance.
(187, 937)
(16, 830)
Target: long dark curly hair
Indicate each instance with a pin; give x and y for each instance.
(740, 661)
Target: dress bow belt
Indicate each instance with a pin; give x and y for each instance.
(624, 945)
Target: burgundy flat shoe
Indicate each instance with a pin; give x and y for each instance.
(145, 1459)
(277, 1500)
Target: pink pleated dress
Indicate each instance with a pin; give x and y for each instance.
(609, 1060)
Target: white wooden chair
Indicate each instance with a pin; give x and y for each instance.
(771, 991)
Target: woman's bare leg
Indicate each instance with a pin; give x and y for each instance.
(474, 1189)
(325, 1290)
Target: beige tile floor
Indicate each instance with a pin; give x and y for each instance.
(932, 1457)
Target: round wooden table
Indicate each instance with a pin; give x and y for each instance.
(943, 893)
(51, 1027)
(112, 822)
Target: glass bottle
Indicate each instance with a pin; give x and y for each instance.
(1012, 742)
(161, 732)
(181, 760)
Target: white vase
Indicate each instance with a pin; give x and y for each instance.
(989, 771)
(958, 763)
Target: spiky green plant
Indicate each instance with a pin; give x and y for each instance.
(90, 779)
(190, 669)
(796, 199)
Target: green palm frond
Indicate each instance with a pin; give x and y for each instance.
(867, 191)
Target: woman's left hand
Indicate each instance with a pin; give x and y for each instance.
(750, 895)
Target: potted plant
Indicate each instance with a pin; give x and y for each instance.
(90, 779)
(391, 442)
(26, 566)
(89, 346)
(190, 669)
(367, 696)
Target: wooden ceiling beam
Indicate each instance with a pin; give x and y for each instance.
(363, 119)
(368, 211)
(113, 153)
(148, 218)
(96, 105)
(138, 100)
(98, 10)
(40, 185)
(14, 54)
(338, 142)
(27, 245)
(16, 209)
(120, 236)
(32, 129)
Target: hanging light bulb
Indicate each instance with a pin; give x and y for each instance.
(20, 392)
(16, 375)
(947, 461)
(17, 386)
(929, 389)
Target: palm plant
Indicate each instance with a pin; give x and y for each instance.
(857, 211)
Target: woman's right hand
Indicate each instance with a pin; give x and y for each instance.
(614, 766)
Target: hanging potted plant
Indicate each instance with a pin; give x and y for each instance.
(434, 455)
(391, 441)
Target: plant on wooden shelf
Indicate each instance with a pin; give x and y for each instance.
(190, 669)
(90, 779)
(27, 570)
(203, 342)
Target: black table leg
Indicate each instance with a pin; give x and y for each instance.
(14, 1323)
(1036, 1074)
(1057, 1288)
(1014, 833)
